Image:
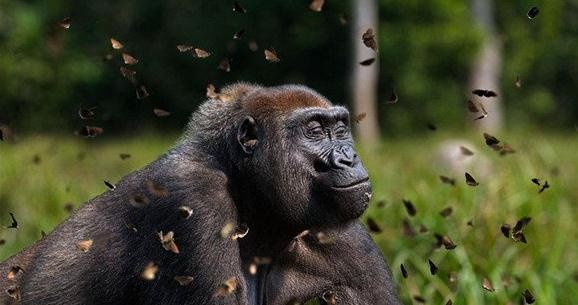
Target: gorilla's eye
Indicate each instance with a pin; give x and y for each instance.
(341, 131)
(314, 130)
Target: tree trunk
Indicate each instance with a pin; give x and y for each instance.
(364, 79)
(487, 66)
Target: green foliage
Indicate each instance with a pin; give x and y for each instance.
(426, 50)
(37, 194)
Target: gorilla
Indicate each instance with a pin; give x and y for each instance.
(214, 220)
(342, 266)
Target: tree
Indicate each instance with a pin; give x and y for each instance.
(364, 78)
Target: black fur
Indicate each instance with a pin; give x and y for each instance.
(343, 263)
(245, 160)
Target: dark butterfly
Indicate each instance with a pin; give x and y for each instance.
(367, 62)
(224, 65)
(368, 39)
(544, 187)
(14, 224)
(392, 98)
(409, 207)
(373, 226)
(533, 12)
(65, 23)
(239, 34)
(403, 271)
(490, 140)
(471, 181)
(466, 151)
(109, 185)
(484, 93)
(432, 267)
(446, 212)
(448, 180)
(238, 8)
(528, 297)
(505, 228)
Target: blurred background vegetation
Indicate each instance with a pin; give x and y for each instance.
(427, 55)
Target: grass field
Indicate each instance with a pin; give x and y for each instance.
(40, 176)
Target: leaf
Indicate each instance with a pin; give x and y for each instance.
(329, 297)
(368, 39)
(141, 92)
(271, 55)
(89, 131)
(200, 53)
(86, 113)
(156, 189)
(161, 113)
(359, 117)
(183, 280)
(139, 201)
(185, 211)
(224, 65)
(85, 245)
(14, 270)
(448, 243)
(128, 74)
(316, 5)
(486, 284)
(65, 23)
(240, 231)
(168, 242)
(184, 48)
(466, 151)
(129, 59)
(149, 272)
(227, 288)
(117, 45)
(472, 107)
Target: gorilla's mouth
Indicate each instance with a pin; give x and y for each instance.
(351, 185)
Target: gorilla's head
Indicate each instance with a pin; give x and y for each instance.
(297, 151)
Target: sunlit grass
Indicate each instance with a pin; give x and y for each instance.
(37, 194)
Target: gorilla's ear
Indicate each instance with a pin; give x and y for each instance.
(247, 135)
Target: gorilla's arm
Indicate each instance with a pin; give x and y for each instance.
(344, 264)
(124, 226)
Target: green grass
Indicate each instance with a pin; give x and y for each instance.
(37, 194)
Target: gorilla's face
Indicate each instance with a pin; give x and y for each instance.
(322, 141)
(306, 165)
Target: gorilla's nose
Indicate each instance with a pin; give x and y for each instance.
(343, 157)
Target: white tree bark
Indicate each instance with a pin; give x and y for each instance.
(487, 67)
(364, 79)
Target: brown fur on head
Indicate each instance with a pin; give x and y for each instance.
(260, 101)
